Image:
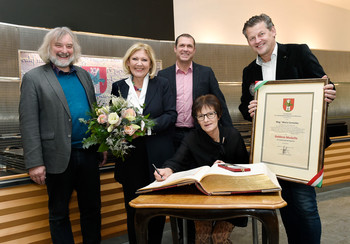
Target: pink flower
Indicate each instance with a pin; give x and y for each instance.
(129, 114)
(102, 119)
(131, 129)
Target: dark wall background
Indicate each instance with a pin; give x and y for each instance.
(152, 19)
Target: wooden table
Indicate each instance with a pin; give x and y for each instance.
(196, 206)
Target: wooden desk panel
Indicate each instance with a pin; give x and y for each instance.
(337, 163)
(201, 201)
(24, 213)
(197, 206)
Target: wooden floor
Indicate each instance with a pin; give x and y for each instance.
(24, 214)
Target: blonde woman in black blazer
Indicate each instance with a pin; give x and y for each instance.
(144, 88)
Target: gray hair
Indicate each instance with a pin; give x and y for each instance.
(256, 20)
(55, 35)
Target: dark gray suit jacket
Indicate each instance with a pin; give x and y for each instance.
(45, 120)
(204, 82)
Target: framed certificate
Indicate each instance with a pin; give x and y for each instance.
(289, 128)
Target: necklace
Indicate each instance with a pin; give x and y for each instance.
(136, 89)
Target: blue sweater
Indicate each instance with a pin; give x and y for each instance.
(78, 104)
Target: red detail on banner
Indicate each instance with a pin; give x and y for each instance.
(99, 78)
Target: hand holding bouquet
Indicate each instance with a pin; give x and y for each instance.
(114, 126)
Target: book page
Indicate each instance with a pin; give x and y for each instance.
(221, 181)
(255, 169)
(221, 184)
(182, 177)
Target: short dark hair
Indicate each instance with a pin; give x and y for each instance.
(208, 100)
(184, 35)
(257, 19)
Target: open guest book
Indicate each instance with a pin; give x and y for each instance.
(222, 179)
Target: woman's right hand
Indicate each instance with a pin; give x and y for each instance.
(252, 107)
(163, 174)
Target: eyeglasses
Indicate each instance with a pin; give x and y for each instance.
(209, 115)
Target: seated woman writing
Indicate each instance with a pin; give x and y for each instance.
(208, 144)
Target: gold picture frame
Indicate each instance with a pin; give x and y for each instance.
(289, 128)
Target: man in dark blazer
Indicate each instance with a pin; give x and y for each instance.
(277, 61)
(53, 98)
(189, 80)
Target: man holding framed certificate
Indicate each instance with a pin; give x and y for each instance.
(277, 61)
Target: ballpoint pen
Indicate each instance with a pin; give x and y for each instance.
(157, 171)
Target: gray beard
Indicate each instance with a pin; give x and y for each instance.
(61, 64)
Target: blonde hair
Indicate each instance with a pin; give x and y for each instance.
(148, 49)
(55, 35)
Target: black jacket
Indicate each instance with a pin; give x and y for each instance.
(294, 61)
(198, 149)
(160, 104)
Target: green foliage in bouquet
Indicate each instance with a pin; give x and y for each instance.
(114, 126)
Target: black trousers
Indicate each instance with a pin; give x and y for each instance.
(134, 173)
(155, 225)
(180, 133)
(82, 175)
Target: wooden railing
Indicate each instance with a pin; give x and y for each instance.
(24, 214)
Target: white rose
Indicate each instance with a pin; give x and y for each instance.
(113, 118)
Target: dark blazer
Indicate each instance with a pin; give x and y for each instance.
(204, 82)
(198, 149)
(294, 61)
(160, 104)
(45, 120)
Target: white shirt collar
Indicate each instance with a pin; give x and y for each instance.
(259, 60)
(133, 99)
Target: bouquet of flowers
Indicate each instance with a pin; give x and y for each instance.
(114, 126)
